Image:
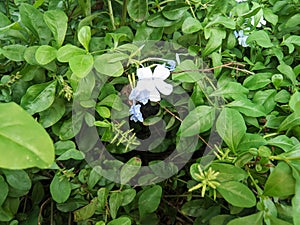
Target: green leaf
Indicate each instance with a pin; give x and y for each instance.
(137, 9)
(231, 90)
(130, 169)
(283, 142)
(228, 172)
(53, 114)
(84, 37)
(293, 21)
(280, 183)
(270, 16)
(57, 22)
(45, 54)
(261, 38)
(86, 212)
(60, 188)
(22, 136)
(14, 52)
(18, 179)
(294, 102)
(214, 40)
(199, 120)
(186, 71)
(290, 121)
(128, 196)
(296, 199)
(237, 194)
(257, 81)
(149, 200)
(66, 52)
(276, 221)
(174, 12)
(231, 127)
(4, 190)
(81, 65)
(39, 97)
(247, 107)
(288, 72)
(193, 208)
(293, 39)
(110, 69)
(222, 20)
(251, 141)
(115, 201)
(122, 220)
(71, 154)
(256, 219)
(158, 21)
(266, 99)
(191, 25)
(33, 19)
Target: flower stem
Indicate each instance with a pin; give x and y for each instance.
(111, 14)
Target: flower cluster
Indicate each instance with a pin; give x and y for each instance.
(149, 86)
(242, 35)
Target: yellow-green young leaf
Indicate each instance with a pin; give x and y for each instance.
(60, 188)
(66, 52)
(130, 169)
(39, 97)
(237, 194)
(86, 211)
(81, 65)
(122, 220)
(57, 21)
(45, 54)
(256, 219)
(114, 69)
(290, 121)
(276, 221)
(23, 142)
(84, 36)
(280, 182)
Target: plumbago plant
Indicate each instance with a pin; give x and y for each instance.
(116, 68)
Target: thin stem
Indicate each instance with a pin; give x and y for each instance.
(124, 12)
(111, 14)
(41, 210)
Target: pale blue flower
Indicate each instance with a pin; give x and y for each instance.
(140, 96)
(171, 64)
(242, 38)
(150, 85)
(135, 112)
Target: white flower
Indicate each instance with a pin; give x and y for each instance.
(239, 1)
(150, 85)
(260, 23)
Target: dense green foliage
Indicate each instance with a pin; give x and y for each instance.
(66, 65)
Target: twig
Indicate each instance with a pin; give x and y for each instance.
(41, 210)
(227, 65)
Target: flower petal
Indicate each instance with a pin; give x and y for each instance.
(161, 72)
(163, 87)
(144, 73)
(154, 95)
